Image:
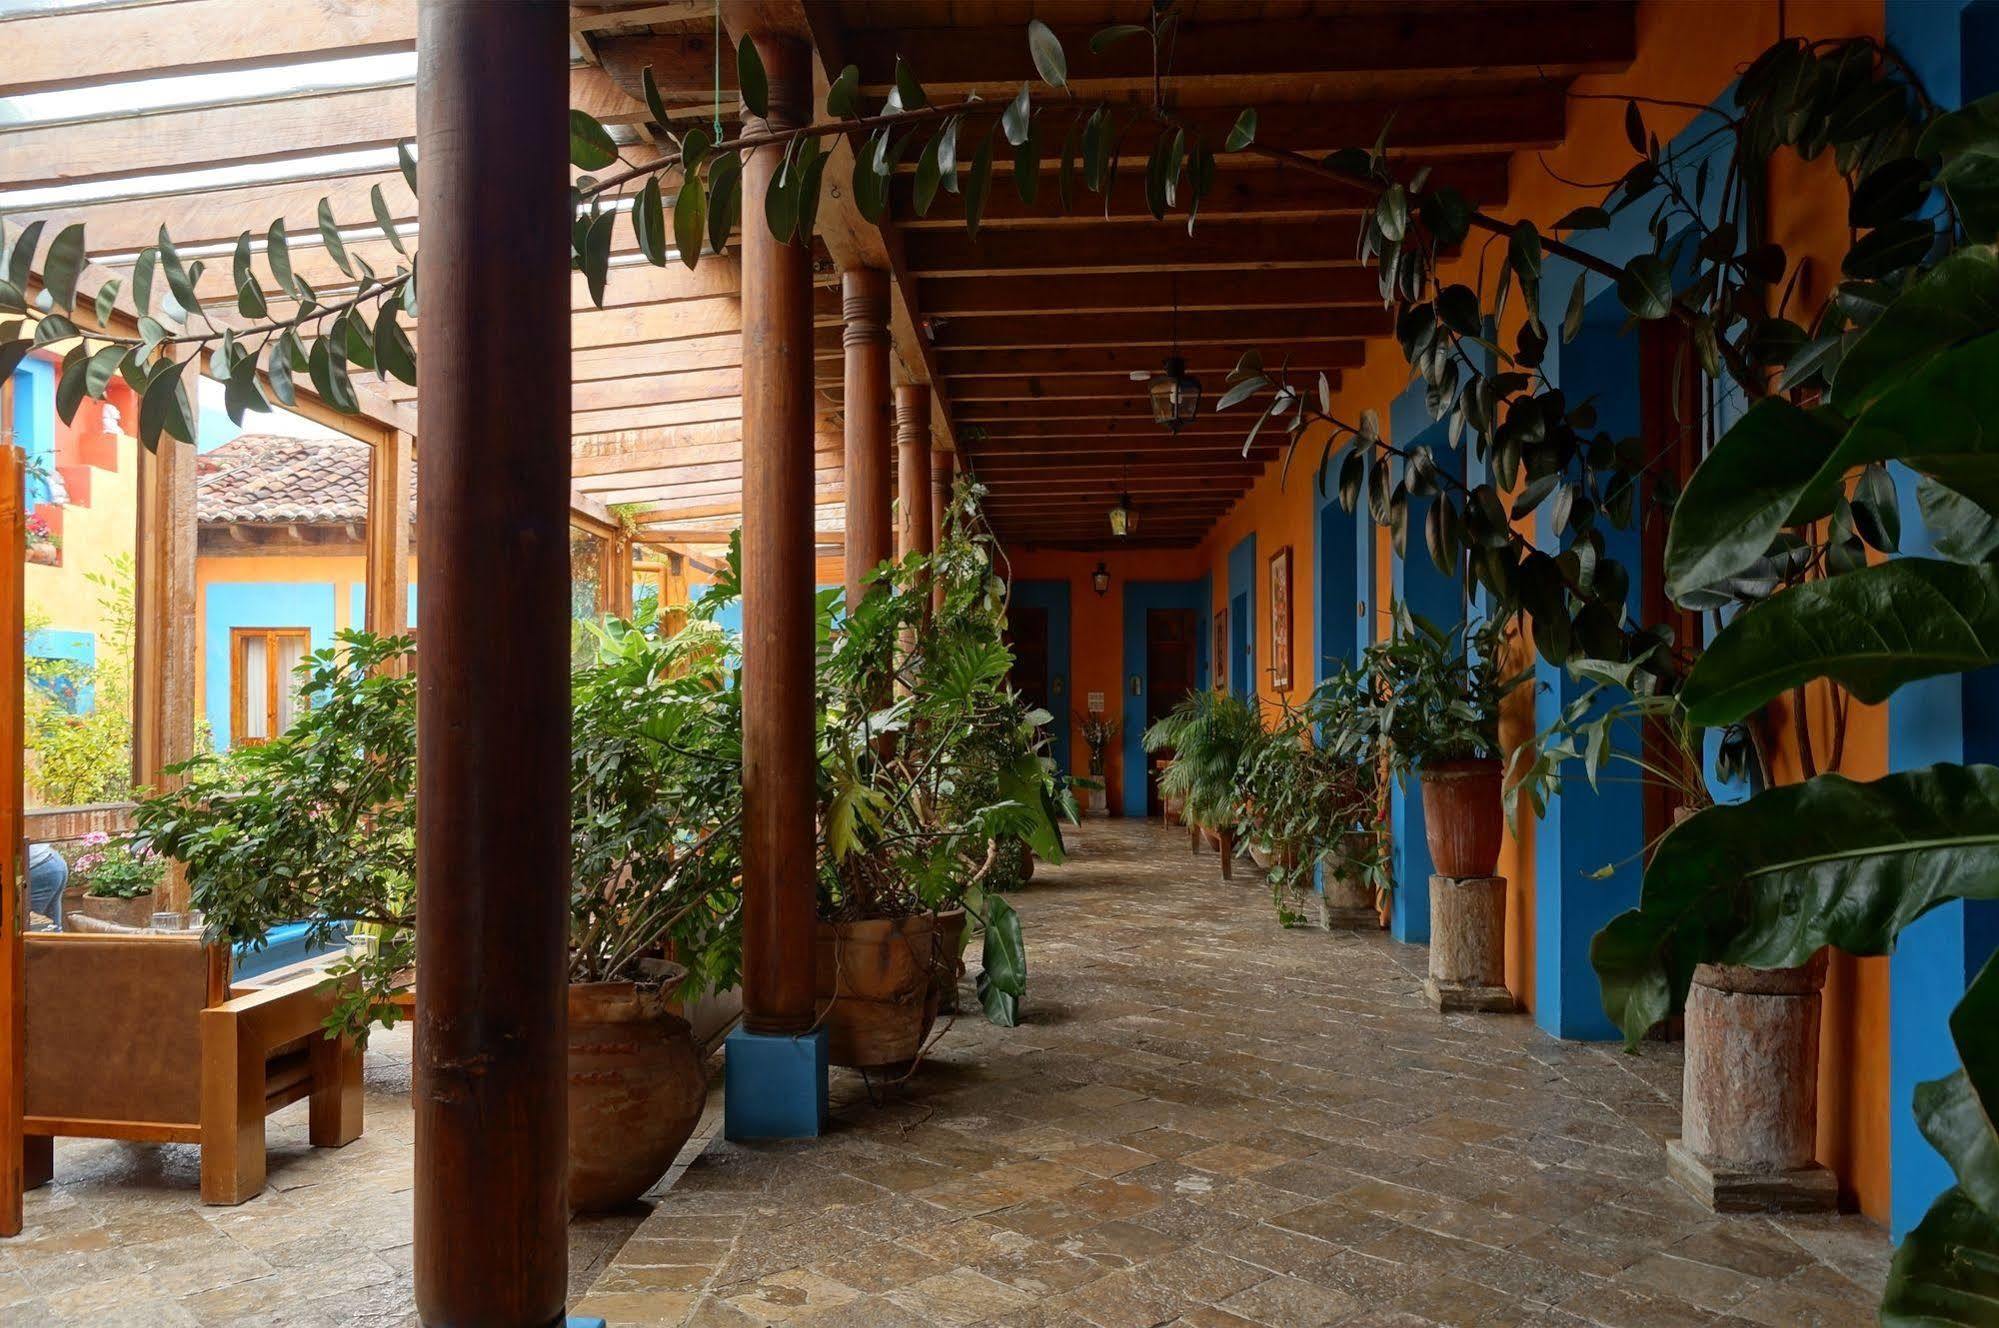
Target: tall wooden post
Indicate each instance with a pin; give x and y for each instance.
(913, 533)
(779, 909)
(13, 850)
(943, 473)
(493, 714)
(164, 663)
(389, 472)
(864, 305)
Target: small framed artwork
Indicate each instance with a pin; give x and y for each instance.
(1221, 655)
(1280, 620)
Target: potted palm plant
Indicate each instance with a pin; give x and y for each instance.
(1209, 735)
(1441, 696)
(319, 825)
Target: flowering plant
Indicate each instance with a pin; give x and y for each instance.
(122, 868)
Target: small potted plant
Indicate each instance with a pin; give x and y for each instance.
(44, 545)
(1441, 696)
(1098, 733)
(118, 877)
(1209, 736)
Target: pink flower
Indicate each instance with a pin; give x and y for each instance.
(96, 837)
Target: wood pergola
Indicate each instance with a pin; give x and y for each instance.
(807, 395)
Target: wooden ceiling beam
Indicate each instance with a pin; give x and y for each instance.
(666, 514)
(1097, 361)
(1149, 292)
(1262, 328)
(1541, 40)
(1151, 246)
(1271, 192)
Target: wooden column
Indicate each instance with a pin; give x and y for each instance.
(493, 715)
(870, 421)
(13, 855)
(943, 474)
(389, 531)
(780, 917)
(163, 683)
(912, 438)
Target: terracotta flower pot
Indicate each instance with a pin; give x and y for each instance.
(877, 988)
(1349, 900)
(134, 912)
(1463, 817)
(951, 955)
(636, 1090)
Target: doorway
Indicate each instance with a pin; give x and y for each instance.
(1027, 637)
(1172, 642)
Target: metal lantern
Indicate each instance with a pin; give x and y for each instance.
(1176, 395)
(1100, 580)
(1123, 519)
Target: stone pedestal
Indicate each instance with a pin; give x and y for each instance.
(1749, 1099)
(1468, 944)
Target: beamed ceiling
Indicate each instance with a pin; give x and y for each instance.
(1029, 333)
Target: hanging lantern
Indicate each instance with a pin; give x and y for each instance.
(1176, 395)
(1123, 519)
(1100, 580)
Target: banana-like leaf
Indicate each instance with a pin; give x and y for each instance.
(1871, 631)
(1003, 958)
(1769, 882)
(1957, 1127)
(1946, 1271)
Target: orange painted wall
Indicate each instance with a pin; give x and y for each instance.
(1686, 52)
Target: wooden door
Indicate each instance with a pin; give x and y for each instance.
(1027, 638)
(1171, 658)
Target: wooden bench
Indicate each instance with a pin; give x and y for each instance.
(138, 1036)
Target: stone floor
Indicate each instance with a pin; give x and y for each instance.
(1206, 1121)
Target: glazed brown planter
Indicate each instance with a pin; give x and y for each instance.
(636, 1089)
(878, 989)
(1463, 817)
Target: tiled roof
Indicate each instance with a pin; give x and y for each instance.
(265, 478)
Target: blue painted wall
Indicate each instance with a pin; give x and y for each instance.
(231, 604)
(34, 382)
(1242, 617)
(1139, 597)
(1054, 597)
(1587, 829)
(1953, 47)
(1343, 572)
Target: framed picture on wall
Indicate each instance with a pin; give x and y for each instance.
(1280, 620)
(1221, 655)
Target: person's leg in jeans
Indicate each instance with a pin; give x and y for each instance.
(47, 875)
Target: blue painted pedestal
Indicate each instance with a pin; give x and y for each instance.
(774, 1085)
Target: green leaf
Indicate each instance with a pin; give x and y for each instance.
(750, 79)
(62, 266)
(1745, 491)
(1954, 1121)
(929, 173)
(596, 256)
(1391, 213)
(1018, 117)
(1871, 631)
(278, 251)
(1959, 529)
(21, 258)
(908, 94)
(1769, 882)
(384, 219)
(871, 185)
(1004, 955)
(1447, 214)
(690, 217)
(70, 383)
(978, 185)
(649, 223)
(1956, 300)
(406, 162)
(1945, 1273)
(591, 147)
(330, 234)
(107, 301)
(1046, 48)
(1243, 132)
(1645, 287)
(103, 364)
(843, 96)
(725, 199)
(1967, 142)
(1027, 165)
(179, 283)
(1583, 219)
(327, 363)
(240, 395)
(11, 355)
(393, 352)
(1524, 251)
(278, 368)
(54, 328)
(164, 406)
(655, 104)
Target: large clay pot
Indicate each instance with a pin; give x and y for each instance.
(1463, 817)
(951, 959)
(1349, 901)
(636, 1090)
(877, 988)
(136, 912)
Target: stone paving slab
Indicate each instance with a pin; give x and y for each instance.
(1208, 1121)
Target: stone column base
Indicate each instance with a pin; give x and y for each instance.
(1807, 1189)
(1467, 997)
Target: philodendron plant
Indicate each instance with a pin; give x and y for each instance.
(1441, 689)
(1830, 861)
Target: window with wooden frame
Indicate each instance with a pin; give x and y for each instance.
(263, 698)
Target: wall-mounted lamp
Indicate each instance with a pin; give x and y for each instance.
(1100, 580)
